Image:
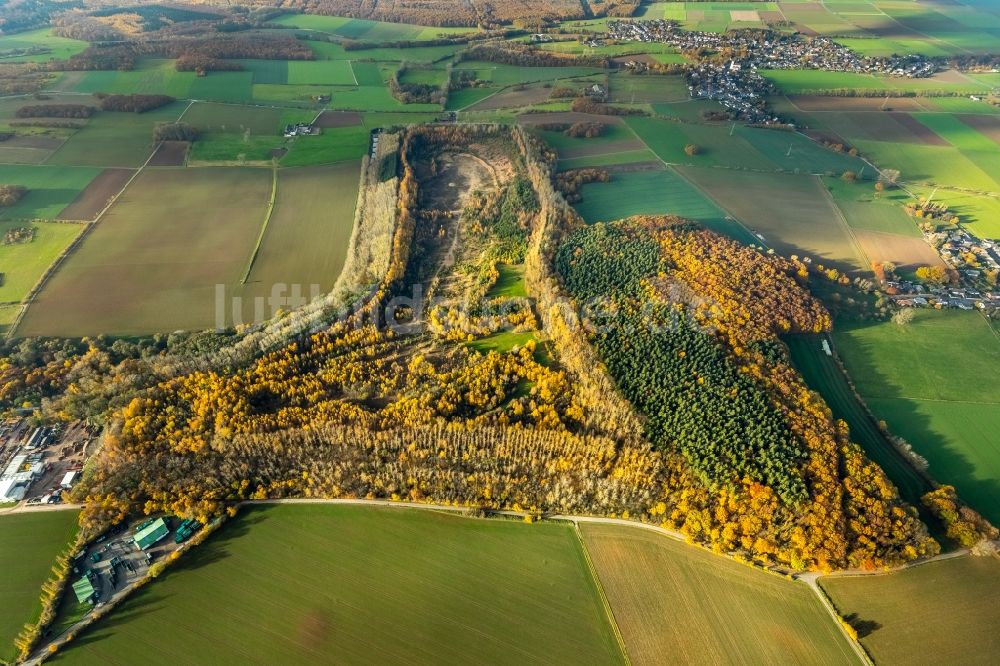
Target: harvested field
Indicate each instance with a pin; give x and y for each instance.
(940, 612)
(744, 15)
(923, 133)
(153, 262)
(96, 196)
(906, 252)
(682, 605)
(512, 98)
(306, 239)
(331, 119)
(988, 126)
(794, 214)
(170, 153)
(838, 104)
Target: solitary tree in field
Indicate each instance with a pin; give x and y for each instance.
(692, 149)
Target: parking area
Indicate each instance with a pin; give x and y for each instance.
(115, 560)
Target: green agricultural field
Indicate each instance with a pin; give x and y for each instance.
(659, 192)
(940, 165)
(790, 151)
(974, 146)
(56, 48)
(459, 99)
(936, 382)
(267, 71)
(153, 262)
(615, 138)
(981, 214)
(363, 30)
(649, 88)
(717, 148)
(159, 76)
(671, 599)
(25, 263)
(234, 118)
(236, 148)
(368, 74)
(864, 210)
(428, 77)
(50, 189)
(811, 82)
(112, 139)
(609, 159)
(806, 223)
(306, 239)
(333, 145)
(320, 72)
(940, 611)
(29, 543)
(401, 585)
(289, 96)
(506, 75)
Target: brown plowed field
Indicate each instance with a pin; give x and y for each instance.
(332, 119)
(170, 153)
(510, 98)
(95, 197)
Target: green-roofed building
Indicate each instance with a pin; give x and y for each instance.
(151, 533)
(84, 589)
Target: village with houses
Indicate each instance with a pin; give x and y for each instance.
(727, 70)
